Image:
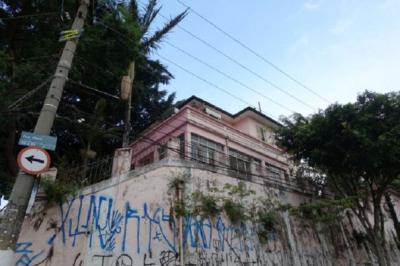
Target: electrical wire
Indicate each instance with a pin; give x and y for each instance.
(93, 89)
(28, 95)
(229, 77)
(31, 15)
(224, 166)
(230, 58)
(205, 80)
(33, 58)
(166, 134)
(83, 60)
(273, 149)
(246, 47)
(155, 119)
(197, 76)
(220, 165)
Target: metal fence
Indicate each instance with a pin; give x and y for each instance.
(83, 175)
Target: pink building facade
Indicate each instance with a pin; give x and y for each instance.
(242, 143)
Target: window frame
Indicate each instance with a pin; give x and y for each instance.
(204, 150)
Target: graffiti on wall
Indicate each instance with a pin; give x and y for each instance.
(137, 232)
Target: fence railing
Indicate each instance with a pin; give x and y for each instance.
(83, 175)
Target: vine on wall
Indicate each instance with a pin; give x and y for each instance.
(239, 204)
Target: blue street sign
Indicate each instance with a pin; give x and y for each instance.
(42, 141)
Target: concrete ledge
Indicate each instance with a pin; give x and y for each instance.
(177, 163)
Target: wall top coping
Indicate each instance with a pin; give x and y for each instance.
(289, 186)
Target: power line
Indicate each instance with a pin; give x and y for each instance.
(207, 81)
(33, 58)
(240, 142)
(220, 164)
(243, 66)
(225, 166)
(116, 32)
(28, 95)
(229, 76)
(93, 89)
(274, 66)
(31, 15)
(193, 74)
(96, 66)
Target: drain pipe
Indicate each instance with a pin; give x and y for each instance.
(181, 255)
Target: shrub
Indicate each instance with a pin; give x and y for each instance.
(57, 191)
(266, 223)
(209, 206)
(235, 211)
(180, 209)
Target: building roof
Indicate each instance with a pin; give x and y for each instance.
(182, 103)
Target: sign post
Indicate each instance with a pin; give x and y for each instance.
(33, 139)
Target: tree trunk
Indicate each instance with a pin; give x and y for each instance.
(393, 215)
(375, 243)
(379, 233)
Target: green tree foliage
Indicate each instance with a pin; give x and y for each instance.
(357, 146)
(115, 34)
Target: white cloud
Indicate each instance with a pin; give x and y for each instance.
(311, 5)
(342, 26)
(389, 4)
(300, 44)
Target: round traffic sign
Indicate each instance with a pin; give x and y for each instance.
(33, 160)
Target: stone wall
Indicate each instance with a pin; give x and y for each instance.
(128, 220)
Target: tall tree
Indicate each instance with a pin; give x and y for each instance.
(117, 34)
(357, 146)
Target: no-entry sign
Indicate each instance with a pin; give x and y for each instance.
(33, 160)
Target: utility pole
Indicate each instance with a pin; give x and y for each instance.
(127, 87)
(11, 221)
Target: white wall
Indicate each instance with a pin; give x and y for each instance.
(127, 221)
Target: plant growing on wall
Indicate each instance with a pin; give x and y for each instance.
(234, 204)
(57, 191)
(322, 211)
(235, 211)
(267, 222)
(233, 200)
(205, 205)
(179, 206)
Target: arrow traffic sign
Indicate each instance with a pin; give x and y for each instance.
(33, 160)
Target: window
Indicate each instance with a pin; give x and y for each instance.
(275, 172)
(147, 159)
(205, 150)
(257, 164)
(262, 133)
(265, 134)
(162, 151)
(239, 161)
(182, 146)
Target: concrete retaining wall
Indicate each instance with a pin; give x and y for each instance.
(127, 221)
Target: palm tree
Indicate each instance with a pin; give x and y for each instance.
(150, 73)
(98, 133)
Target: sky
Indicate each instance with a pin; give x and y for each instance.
(336, 48)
